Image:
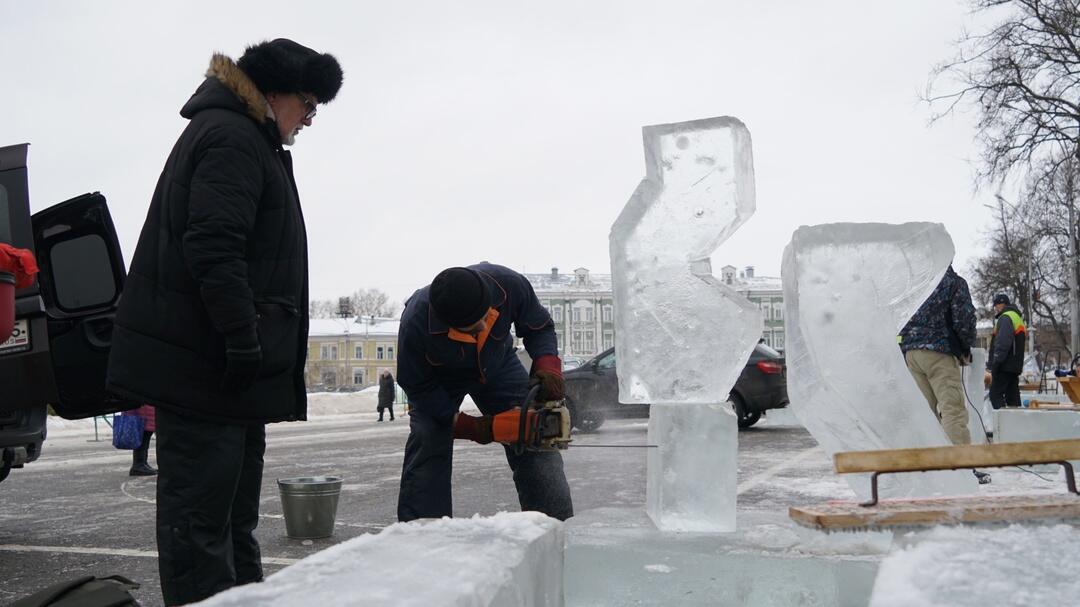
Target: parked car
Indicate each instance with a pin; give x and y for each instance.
(59, 347)
(592, 390)
(573, 362)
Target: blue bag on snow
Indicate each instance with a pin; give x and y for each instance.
(127, 431)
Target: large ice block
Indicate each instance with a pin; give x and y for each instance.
(681, 335)
(976, 567)
(506, 559)
(979, 418)
(614, 556)
(848, 290)
(691, 480)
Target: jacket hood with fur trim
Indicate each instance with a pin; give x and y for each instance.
(227, 87)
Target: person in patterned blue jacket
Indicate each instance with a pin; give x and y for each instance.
(936, 342)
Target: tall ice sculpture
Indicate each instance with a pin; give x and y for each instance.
(682, 337)
(848, 290)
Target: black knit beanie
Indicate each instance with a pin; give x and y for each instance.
(459, 297)
(284, 66)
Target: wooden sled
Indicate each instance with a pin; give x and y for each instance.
(875, 514)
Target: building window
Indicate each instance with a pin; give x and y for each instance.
(609, 339)
(778, 343)
(577, 315)
(329, 352)
(778, 311)
(359, 353)
(765, 307)
(389, 352)
(588, 314)
(606, 312)
(556, 314)
(380, 353)
(589, 345)
(575, 341)
(358, 377)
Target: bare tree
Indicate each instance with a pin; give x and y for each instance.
(372, 302)
(1030, 250)
(322, 308)
(1023, 78)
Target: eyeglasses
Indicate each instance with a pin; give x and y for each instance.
(312, 107)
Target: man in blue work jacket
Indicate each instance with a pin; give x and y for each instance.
(455, 340)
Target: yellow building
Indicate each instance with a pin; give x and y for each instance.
(350, 353)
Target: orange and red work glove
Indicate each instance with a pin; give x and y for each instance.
(547, 371)
(502, 428)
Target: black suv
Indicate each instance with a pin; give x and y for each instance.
(58, 350)
(592, 390)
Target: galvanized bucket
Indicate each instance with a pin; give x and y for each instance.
(310, 505)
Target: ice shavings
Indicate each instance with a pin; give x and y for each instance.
(981, 566)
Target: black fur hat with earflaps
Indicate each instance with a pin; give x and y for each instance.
(284, 66)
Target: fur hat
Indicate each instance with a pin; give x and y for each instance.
(283, 66)
(459, 297)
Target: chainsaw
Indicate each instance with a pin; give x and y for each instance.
(534, 426)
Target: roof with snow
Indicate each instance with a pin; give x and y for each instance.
(361, 325)
(580, 280)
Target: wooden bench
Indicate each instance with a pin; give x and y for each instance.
(844, 514)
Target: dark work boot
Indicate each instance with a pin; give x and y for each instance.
(139, 467)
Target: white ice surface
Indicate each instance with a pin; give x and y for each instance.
(615, 556)
(681, 335)
(507, 559)
(848, 290)
(975, 398)
(1037, 565)
(1022, 425)
(691, 479)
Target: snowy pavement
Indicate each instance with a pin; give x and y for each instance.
(76, 511)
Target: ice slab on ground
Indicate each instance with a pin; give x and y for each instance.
(614, 556)
(1022, 425)
(506, 559)
(691, 475)
(682, 335)
(848, 290)
(978, 566)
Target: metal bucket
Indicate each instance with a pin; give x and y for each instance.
(310, 505)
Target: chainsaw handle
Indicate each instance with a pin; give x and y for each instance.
(530, 398)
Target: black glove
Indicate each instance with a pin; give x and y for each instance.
(242, 359)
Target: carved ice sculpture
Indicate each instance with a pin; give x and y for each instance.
(682, 337)
(848, 290)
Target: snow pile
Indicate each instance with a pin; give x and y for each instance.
(958, 566)
(507, 559)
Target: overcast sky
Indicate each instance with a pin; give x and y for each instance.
(509, 131)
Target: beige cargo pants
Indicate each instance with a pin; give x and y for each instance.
(938, 377)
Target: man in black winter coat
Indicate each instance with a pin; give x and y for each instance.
(1006, 360)
(212, 327)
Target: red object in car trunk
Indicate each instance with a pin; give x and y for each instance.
(768, 366)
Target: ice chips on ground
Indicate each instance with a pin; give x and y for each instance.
(1019, 565)
(681, 335)
(691, 479)
(506, 559)
(848, 290)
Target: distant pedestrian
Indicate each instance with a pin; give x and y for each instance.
(139, 464)
(386, 394)
(1006, 361)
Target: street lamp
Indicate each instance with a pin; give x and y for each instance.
(345, 311)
